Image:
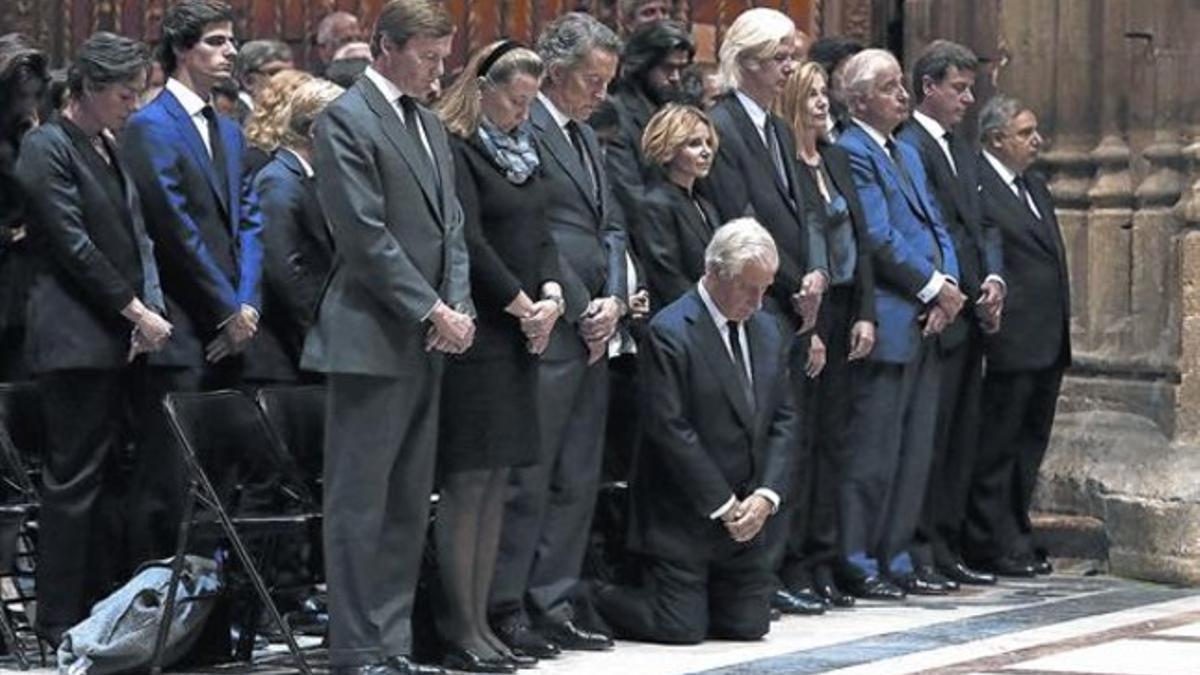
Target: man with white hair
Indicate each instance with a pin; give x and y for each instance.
(717, 457)
(894, 411)
(754, 172)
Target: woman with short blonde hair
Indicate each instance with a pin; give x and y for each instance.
(266, 123)
(669, 130)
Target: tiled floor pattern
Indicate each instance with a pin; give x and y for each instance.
(1062, 625)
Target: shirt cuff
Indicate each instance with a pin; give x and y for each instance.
(998, 279)
(771, 496)
(428, 314)
(720, 513)
(932, 287)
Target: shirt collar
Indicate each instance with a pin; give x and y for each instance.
(753, 109)
(873, 133)
(385, 86)
(246, 99)
(192, 102)
(304, 165)
(711, 305)
(931, 125)
(1006, 174)
(560, 117)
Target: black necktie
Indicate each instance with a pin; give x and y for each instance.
(412, 124)
(739, 360)
(950, 145)
(1023, 194)
(894, 153)
(584, 156)
(217, 151)
(774, 150)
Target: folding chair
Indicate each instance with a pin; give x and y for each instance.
(297, 415)
(245, 490)
(20, 418)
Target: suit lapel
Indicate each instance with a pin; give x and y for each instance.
(1017, 211)
(195, 145)
(393, 128)
(717, 355)
(1047, 227)
(762, 364)
(555, 141)
(752, 137)
(109, 177)
(692, 220)
(931, 150)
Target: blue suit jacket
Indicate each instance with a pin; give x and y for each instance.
(907, 237)
(206, 235)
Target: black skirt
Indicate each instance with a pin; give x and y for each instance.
(489, 414)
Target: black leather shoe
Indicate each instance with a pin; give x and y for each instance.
(375, 669)
(965, 575)
(874, 587)
(790, 603)
(925, 581)
(402, 665)
(523, 640)
(521, 660)
(567, 635)
(834, 597)
(468, 661)
(1040, 564)
(1008, 566)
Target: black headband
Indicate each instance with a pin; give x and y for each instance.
(497, 53)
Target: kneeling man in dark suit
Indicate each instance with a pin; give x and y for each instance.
(716, 457)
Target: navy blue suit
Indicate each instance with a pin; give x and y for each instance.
(206, 242)
(894, 408)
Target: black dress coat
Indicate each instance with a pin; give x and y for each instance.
(670, 241)
(489, 394)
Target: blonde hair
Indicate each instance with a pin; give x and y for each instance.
(793, 102)
(266, 125)
(669, 130)
(306, 103)
(755, 34)
(460, 108)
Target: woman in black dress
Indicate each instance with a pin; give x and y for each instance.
(679, 144)
(846, 326)
(95, 306)
(489, 404)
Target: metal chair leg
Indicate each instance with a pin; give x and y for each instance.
(168, 611)
(10, 638)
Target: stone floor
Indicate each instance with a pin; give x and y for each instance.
(1067, 624)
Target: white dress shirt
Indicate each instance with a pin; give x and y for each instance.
(193, 104)
(934, 285)
(757, 115)
(392, 93)
(1009, 176)
(722, 325)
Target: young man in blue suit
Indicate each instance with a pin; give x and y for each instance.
(186, 161)
(916, 295)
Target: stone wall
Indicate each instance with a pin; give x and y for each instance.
(1116, 86)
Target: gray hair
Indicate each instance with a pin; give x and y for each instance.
(755, 33)
(736, 244)
(995, 115)
(571, 37)
(861, 70)
(257, 53)
(935, 60)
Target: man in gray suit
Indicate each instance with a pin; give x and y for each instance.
(398, 297)
(549, 512)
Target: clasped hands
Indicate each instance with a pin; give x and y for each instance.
(747, 516)
(450, 331)
(537, 323)
(950, 300)
(234, 335)
(598, 325)
(150, 330)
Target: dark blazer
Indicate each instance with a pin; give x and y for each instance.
(589, 234)
(397, 232)
(905, 233)
(1035, 327)
(297, 249)
(703, 440)
(623, 154)
(85, 219)
(976, 244)
(207, 236)
(837, 163)
(743, 182)
(509, 243)
(671, 240)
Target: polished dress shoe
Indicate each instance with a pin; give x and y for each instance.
(874, 587)
(523, 640)
(402, 665)
(833, 596)
(374, 669)
(521, 660)
(1040, 564)
(925, 581)
(790, 603)
(1008, 566)
(467, 661)
(567, 635)
(965, 575)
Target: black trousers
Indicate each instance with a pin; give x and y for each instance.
(548, 515)
(380, 451)
(89, 416)
(939, 538)
(1018, 414)
(893, 415)
(725, 595)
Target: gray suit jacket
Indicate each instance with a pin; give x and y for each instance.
(590, 234)
(398, 235)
